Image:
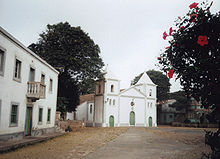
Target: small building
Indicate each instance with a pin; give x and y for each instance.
(168, 114)
(84, 110)
(134, 106)
(28, 91)
(195, 111)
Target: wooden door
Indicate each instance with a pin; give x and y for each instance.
(111, 121)
(132, 118)
(150, 121)
(28, 124)
(31, 75)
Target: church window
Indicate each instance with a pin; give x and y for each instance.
(148, 104)
(99, 88)
(113, 101)
(112, 88)
(150, 93)
(151, 105)
(110, 102)
(90, 109)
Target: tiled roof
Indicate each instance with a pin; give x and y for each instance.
(87, 97)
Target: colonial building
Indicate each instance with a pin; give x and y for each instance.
(28, 91)
(135, 106)
(166, 114)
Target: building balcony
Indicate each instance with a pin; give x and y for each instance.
(36, 90)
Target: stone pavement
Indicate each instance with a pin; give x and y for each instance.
(29, 140)
(137, 144)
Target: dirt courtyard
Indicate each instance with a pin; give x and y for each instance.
(84, 142)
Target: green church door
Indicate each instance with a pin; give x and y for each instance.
(132, 118)
(111, 121)
(150, 121)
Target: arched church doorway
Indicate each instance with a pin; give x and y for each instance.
(132, 118)
(111, 121)
(150, 121)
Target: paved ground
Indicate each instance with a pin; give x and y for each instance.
(73, 145)
(138, 143)
(114, 143)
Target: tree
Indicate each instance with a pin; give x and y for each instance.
(182, 101)
(161, 80)
(75, 55)
(194, 56)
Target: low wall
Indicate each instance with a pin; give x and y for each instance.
(74, 124)
(194, 125)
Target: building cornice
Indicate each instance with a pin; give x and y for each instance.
(5, 33)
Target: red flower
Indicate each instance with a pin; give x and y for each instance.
(170, 73)
(159, 58)
(193, 5)
(165, 35)
(202, 40)
(167, 47)
(171, 30)
(193, 17)
(182, 27)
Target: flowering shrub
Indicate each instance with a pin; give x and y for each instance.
(194, 56)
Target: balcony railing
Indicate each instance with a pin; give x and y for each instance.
(36, 90)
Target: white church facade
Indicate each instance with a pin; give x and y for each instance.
(135, 106)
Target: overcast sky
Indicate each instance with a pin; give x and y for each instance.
(129, 32)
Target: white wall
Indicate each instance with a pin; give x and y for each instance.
(70, 116)
(81, 112)
(90, 114)
(99, 102)
(111, 109)
(13, 91)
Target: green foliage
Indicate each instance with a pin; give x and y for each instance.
(161, 80)
(75, 55)
(182, 101)
(196, 64)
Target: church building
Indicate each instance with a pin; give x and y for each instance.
(113, 107)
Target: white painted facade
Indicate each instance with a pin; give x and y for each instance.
(84, 111)
(14, 90)
(135, 106)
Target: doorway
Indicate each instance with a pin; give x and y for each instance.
(32, 75)
(28, 121)
(111, 121)
(132, 118)
(150, 121)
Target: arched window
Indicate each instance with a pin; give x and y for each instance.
(113, 101)
(150, 93)
(110, 102)
(90, 109)
(112, 88)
